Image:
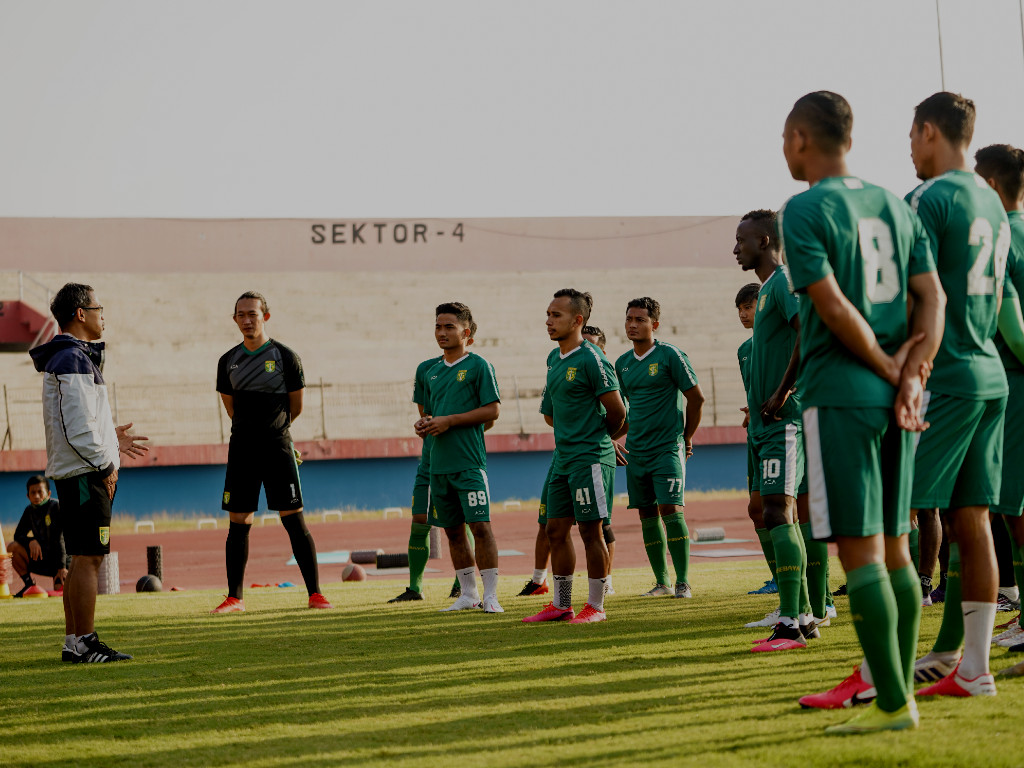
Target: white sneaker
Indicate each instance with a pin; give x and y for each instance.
(830, 612)
(1012, 636)
(659, 590)
(929, 669)
(826, 622)
(464, 603)
(490, 605)
(770, 620)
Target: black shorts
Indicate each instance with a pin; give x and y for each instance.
(85, 510)
(267, 463)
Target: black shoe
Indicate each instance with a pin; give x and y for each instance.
(67, 654)
(1018, 648)
(1005, 604)
(810, 631)
(533, 588)
(841, 592)
(406, 597)
(456, 591)
(97, 652)
(939, 594)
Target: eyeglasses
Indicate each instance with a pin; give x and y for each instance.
(92, 309)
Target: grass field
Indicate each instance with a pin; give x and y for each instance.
(663, 682)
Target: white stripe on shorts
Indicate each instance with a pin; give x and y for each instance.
(791, 448)
(925, 400)
(599, 498)
(486, 488)
(821, 525)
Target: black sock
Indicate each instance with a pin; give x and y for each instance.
(236, 551)
(304, 550)
(29, 581)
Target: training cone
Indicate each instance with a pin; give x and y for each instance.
(35, 591)
(5, 569)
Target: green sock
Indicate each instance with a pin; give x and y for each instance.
(951, 631)
(914, 539)
(829, 602)
(1018, 563)
(805, 602)
(789, 556)
(765, 537)
(873, 609)
(906, 587)
(678, 538)
(419, 553)
(817, 570)
(654, 542)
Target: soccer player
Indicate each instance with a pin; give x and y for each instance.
(83, 450)
(958, 464)
(583, 405)
(538, 585)
(260, 382)
(857, 251)
(461, 401)
(656, 378)
(774, 434)
(1002, 166)
(38, 544)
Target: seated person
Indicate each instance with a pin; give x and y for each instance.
(38, 545)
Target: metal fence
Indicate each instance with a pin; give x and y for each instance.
(192, 414)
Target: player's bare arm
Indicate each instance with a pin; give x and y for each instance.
(694, 410)
(615, 414)
(128, 444)
(1011, 326)
(853, 331)
(436, 425)
(927, 317)
(295, 403)
(229, 404)
(778, 399)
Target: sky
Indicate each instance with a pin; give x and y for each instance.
(359, 108)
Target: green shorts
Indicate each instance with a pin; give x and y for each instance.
(542, 510)
(657, 479)
(859, 465)
(421, 491)
(460, 497)
(1011, 491)
(584, 494)
(959, 458)
(777, 460)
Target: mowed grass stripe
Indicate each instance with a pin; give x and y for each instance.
(663, 682)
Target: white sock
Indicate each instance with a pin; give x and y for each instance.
(607, 582)
(596, 594)
(467, 580)
(978, 621)
(865, 673)
(70, 641)
(789, 621)
(490, 579)
(1010, 593)
(539, 574)
(806, 618)
(563, 592)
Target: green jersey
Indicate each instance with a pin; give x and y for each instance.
(575, 381)
(1013, 285)
(419, 396)
(653, 385)
(743, 358)
(871, 242)
(771, 349)
(970, 237)
(459, 387)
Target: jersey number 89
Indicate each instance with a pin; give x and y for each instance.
(477, 498)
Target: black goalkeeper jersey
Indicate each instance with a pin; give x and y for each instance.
(260, 382)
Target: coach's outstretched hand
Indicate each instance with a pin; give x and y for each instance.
(127, 443)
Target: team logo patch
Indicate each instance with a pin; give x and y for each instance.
(270, 366)
(227, 496)
(760, 304)
(104, 536)
(47, 520)
(570, 374)
(461, 375)
(652, 369)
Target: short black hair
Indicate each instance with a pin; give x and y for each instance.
(582, 303)
(461, 312)
(747, 294)
(472, 329)
(1005, 164)
(951, 113)
(593, 330)
(264, 308)
(766, 220)
(36, 480)
(67, 301)
(646, 302)
(828, 118)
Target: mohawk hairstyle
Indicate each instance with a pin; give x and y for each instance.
(582, 303)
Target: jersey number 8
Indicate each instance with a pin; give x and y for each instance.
(881, 275)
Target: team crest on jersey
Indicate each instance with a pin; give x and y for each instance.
(47, 520)
(461, 375)
(270, 366)
(570, 374)
(652, 369)
(104, 536)
(227, 496)
(760, 305)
